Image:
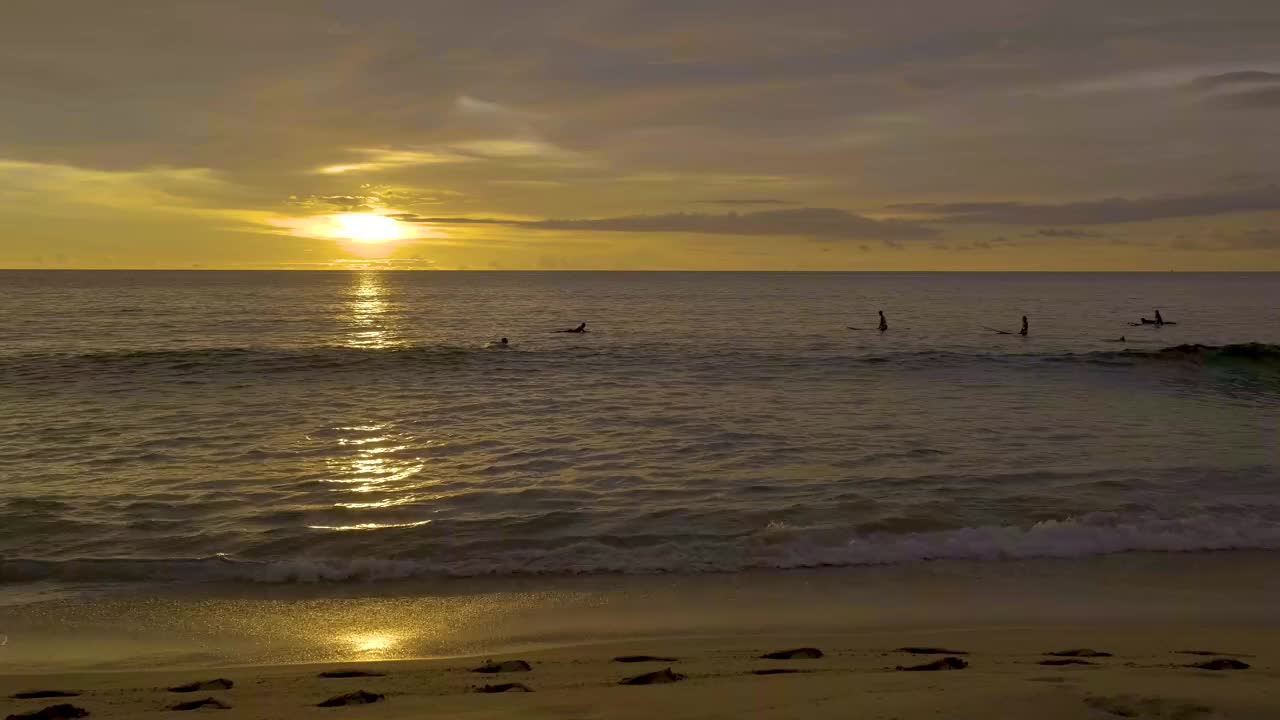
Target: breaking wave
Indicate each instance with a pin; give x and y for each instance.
(246, 360)
(776, 547)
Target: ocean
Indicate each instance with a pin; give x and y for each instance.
(337, 427)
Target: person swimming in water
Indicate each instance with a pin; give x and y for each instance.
(503, 342)
(1023, 332)
(580, 329)
(884, 324)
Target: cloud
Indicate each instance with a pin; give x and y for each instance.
(608, 114)
(1065, 233)
(386, 159)
(745, 201)
(515, 149)
(468, 151)
(1240, 77)
(821, 223)
(343, 203)
(1100, 212)
(1243, 89)
(1261, 99)
(56, 189)
(370, 197)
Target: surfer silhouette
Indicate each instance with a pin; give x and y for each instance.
(580, 329)
(884, 324)
(1023, 332)
(1159, 321)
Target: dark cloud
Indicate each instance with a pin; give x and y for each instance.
(824, 223)
(369, 198)
(1100, 212)
(1241, 77)
(1244, 89)
(342, 203)
(1266, 98)
(746, 201)
(1065, 233)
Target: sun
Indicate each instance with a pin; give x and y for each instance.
(367, 227)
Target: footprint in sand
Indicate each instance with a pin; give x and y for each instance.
(946, 663)
(1221, 664)
(504, 687)
(804, 653)
(359, 697)
(653, 678)
(53, 712)
(1079, 652)
(215, 684)
(504, 667)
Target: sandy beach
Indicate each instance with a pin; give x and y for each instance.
(1145, 620)
(1146, 676)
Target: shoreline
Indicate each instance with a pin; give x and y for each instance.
(120, 648)
(61, 628)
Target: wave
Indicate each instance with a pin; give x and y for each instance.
(245, 360)
(1250, 352)
(249, 360)
(775, 547)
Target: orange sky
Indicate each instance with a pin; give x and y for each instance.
(604, 134)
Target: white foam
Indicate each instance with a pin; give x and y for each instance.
(777, 547)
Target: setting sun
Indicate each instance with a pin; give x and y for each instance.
(367, 227)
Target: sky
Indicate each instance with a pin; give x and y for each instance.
(655, 134)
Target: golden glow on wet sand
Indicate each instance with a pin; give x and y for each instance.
(371, 643)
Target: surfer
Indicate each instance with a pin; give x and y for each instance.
(884, 324)
(503, 342)
(1023, 332)
(1159, 321)
(580, 329)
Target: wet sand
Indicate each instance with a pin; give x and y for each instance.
(1111, 637)
(1146, 675)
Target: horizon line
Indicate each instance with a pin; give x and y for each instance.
(614, 270)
